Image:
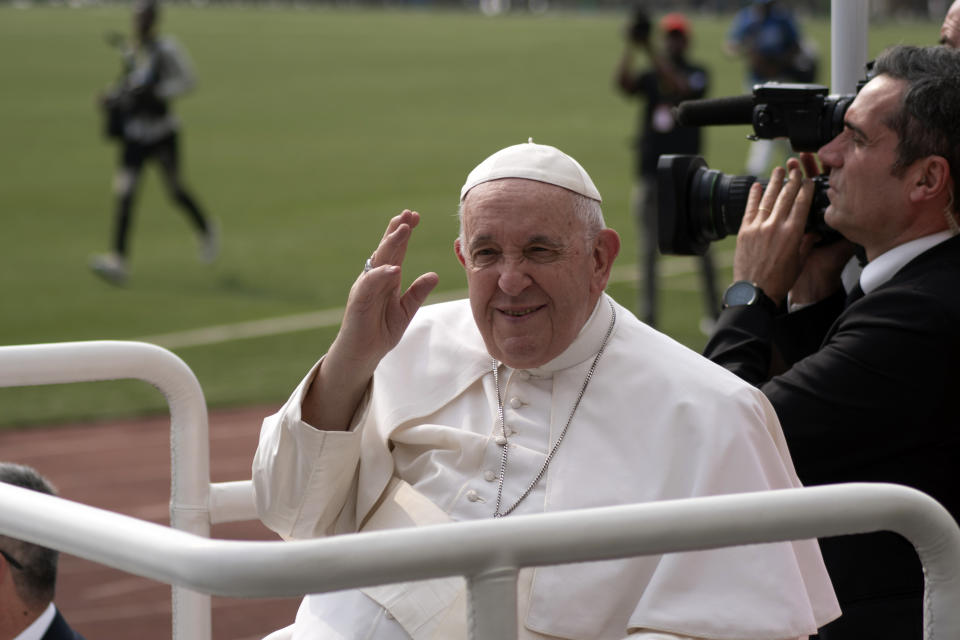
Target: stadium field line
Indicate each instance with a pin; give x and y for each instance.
(331, 317)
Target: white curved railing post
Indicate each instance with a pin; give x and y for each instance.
(488, 552)
(65, 362)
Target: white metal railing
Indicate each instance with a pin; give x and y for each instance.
(490, 552)
(197, 566)
(192, 497)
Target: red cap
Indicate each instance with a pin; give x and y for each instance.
(675, 22)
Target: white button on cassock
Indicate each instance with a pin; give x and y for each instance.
(489, 475)
(516, 402)
(472, 495)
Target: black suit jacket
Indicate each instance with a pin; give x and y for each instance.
(866, 393)
(60, 630)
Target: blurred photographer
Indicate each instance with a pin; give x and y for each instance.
(863, 376)
(670, 80)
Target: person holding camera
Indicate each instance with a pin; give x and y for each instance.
(863, 374)
(138, 114)
(670, 80)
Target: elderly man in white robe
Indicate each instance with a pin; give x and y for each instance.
(539, 393)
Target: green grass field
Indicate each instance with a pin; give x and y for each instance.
(309, 129)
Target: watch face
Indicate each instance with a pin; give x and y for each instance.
(740, 293)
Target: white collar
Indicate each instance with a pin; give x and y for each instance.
(585, 345)
(884, 266)
(39, 626)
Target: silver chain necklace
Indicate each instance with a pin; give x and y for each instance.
(556, 445)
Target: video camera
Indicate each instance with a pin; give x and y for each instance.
(699, 205)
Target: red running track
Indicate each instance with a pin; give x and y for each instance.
(125, 467)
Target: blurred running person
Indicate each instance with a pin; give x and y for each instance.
(138, 114)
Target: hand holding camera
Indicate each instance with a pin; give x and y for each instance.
(700, 205)
(772, 244)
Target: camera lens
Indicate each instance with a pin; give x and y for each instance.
(700, 205)
(717, 203)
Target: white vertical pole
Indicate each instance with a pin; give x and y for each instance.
(492, 605)
(848, 44)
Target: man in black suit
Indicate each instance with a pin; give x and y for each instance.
(28, 576)
(864, 383)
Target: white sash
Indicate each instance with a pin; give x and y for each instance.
(428, 609)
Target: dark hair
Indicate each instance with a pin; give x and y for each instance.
(928, 122)
(37, 579)
(146, 12)
(146, 6)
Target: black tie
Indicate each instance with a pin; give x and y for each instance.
(855, 294)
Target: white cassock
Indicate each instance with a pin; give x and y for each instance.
(657, 422)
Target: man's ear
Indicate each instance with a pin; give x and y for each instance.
(459, 252)
(931, 180)
(606, 247)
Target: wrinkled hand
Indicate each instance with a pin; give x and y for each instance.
(377, 313)
(375, 318)
(772, 245)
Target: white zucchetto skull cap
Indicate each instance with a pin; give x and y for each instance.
(532, 161)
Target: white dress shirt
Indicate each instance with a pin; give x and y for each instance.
(886, 265)
(39, 626)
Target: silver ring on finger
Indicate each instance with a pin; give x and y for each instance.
(367, 265)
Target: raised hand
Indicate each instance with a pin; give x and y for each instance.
(376, 316)
(377, 312)
(772, 244)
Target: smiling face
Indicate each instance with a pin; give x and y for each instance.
(534, 274)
